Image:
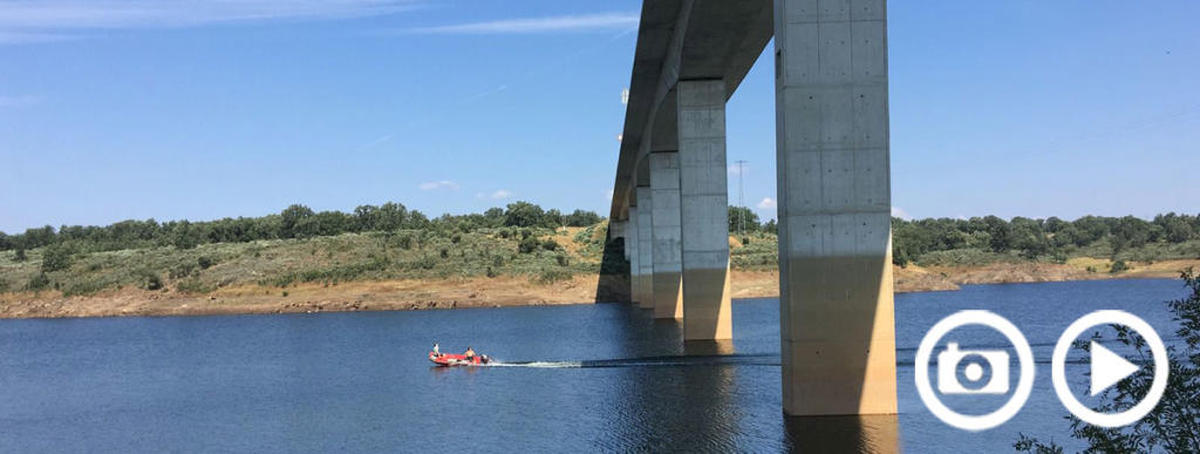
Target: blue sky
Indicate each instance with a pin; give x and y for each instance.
(200, 109)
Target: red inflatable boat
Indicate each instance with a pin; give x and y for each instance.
(450, 359)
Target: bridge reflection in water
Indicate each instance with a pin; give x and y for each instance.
(708, 396)
(852, 433)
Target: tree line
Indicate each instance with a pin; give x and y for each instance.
(1032, 238)
(296, 221)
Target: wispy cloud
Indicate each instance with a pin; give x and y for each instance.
(767, 203)
(898, 212)
(19, 101)
(15, 37)
(580, 23)
(439, 185)
(500, 194)
(24, 21)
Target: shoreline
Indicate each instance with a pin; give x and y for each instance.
(503, 291)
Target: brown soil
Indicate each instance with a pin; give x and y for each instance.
(506, 291)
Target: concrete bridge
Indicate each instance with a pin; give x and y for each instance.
(834, 196)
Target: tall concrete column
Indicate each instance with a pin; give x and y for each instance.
(645, 247)
(836, 315)
(668, 250)
(631, 253)
(705, 210)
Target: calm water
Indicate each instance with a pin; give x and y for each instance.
(592, 377)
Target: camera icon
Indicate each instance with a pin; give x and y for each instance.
(950, 359)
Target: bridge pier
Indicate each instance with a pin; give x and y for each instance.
(668, 249)
(707, 314)
(836, 309)
(631, 254)
(645, 246)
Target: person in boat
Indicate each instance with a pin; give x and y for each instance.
(470, 354)
(435, 350)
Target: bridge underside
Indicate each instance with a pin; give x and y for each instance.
(670, 195)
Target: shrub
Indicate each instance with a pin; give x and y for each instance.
(205, 262)
(552, 275)
(456, 238)
(21, 257)
(56, 258)
(83, 288)
(149, 280)
(194, 285)
(405, 242)
(490, 272)
(745, 241)
(528, 245)
(181, 271)
(37, 282)
(562, 260)
(1118, 266)
(550, 244)
(445, 253)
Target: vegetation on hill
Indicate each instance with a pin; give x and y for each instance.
(389, 242)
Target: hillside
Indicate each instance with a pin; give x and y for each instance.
(443, 268)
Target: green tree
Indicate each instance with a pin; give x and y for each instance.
(1000, 234)
(770, 227)
(739, 216)
(1176, 229)
(523, 214)
(553, 219)
(581, 218)
(56, 257)
(291, 219)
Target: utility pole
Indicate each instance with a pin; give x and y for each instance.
(741, 197)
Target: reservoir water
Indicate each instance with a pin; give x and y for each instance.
(602, 377)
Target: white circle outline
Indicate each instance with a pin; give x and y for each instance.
(974, 423)
(1095, 418)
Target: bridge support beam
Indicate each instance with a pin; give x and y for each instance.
(836, 309)
(668, 249)
(707, 314)
(631, 254)
(645, 247)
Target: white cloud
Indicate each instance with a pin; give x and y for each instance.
(898, 212)
(767, 203)
(33, 21)
(500, 194)
(582, 23)
(608, 195)
(438, 185)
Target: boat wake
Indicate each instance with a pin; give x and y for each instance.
(655, 361)
(540, 364)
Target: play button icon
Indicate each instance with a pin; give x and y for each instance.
(1108, 368)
